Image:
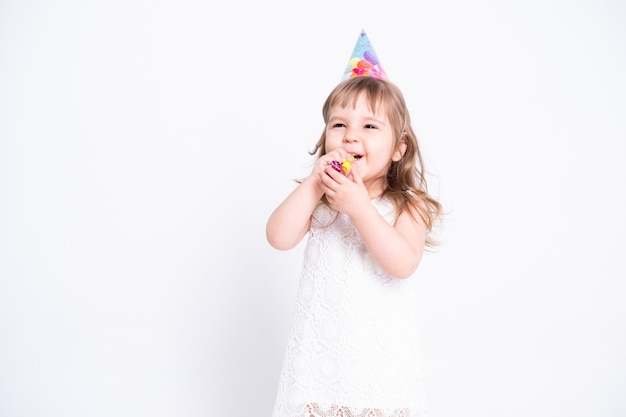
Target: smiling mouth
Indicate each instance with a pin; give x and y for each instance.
(356, 157)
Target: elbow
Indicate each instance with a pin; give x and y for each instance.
(282, 237)
(273, 241)
(278, 244)
(401, 271)
(273, 238)
(277, 241)
(403, 274)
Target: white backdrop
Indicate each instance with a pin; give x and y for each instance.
(143, 145)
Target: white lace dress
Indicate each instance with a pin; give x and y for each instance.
(353, 346)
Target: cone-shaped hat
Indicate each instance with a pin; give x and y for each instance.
(364, 61)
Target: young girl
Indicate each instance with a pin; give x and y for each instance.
(353, 348)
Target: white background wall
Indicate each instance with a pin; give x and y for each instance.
(144, 143)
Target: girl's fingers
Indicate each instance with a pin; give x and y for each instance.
(339, 155)
(356, 177)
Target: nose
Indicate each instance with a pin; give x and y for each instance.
(350, 136)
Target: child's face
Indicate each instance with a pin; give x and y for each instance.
(365, 135)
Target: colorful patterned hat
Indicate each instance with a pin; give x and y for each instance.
(363, 61)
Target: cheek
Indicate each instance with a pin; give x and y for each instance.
(332, 141)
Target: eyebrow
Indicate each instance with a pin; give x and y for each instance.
(375, 120)
(367, 119)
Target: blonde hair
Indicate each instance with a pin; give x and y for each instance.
(405, 180)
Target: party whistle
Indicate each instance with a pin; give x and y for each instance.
(342, 167)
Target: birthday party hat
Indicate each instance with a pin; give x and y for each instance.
(363, 61)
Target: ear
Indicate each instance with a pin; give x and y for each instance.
(400, 150)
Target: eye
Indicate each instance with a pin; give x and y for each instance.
(370, 126)
(339, 125)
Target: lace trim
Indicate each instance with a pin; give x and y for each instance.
(314, 410)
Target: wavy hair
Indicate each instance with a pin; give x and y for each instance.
(405, 181)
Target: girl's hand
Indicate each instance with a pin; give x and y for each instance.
(346, 194)
(324, 161)
(322, 164)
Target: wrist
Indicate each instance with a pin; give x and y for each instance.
(361, 211)
(315, 184)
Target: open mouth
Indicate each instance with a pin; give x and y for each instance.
(357, 157)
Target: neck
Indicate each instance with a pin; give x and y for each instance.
(376, 187)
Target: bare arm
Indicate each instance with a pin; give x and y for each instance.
(397, 249)
(291, 220)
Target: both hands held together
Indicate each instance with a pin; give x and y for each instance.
(344, 189)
